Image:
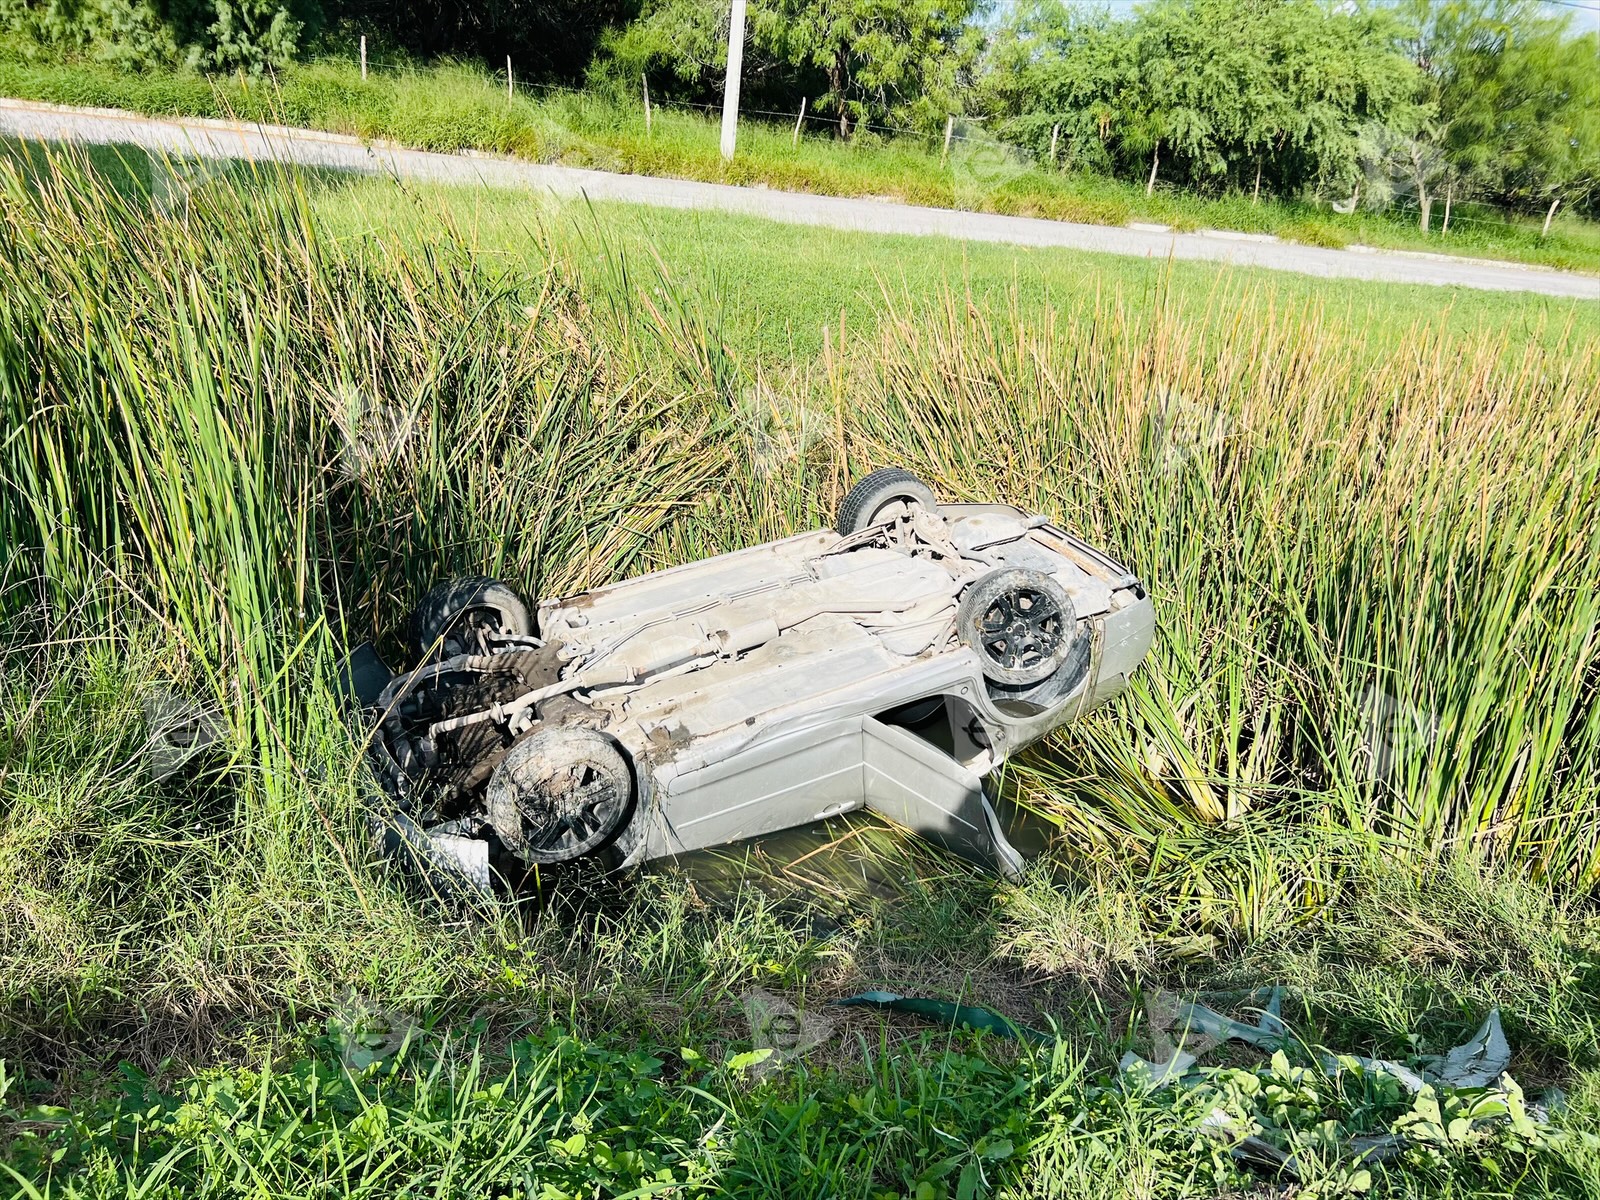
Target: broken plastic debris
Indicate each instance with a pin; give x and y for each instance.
(1269, 1029)
(967, 1015)
(1363, 1150)
(451, 863)
(1147, 1074)
(1170, 1060)
(1479, 1062)
(176, 731)
(1409, 1079)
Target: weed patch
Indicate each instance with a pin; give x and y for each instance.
(1360, 761)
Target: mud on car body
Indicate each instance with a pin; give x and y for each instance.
(888, 664)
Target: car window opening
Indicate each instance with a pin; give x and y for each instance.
(948, 723)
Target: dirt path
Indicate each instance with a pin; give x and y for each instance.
(224, 139)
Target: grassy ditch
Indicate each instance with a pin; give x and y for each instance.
(448, 107)
(1361, 760)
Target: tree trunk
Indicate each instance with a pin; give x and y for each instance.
(1425, 203)
(1550, 216)
(1449, 195)
(1155, 162)
(1256, 196)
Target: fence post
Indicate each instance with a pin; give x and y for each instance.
(795, 141)
(363, 57)
(646, 83)
(949, 128)
(1054, 134)
(511, 87)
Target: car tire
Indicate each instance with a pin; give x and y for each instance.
(1021, 624)
(873, 493)
(452, 616)
(560, 793)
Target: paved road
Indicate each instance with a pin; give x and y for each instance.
(224, 139)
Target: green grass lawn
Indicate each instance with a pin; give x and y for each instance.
(774, 288)
(776, 291)
(453, 107)
(212, 986)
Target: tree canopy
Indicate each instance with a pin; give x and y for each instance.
(1513, 99)
(1236, 91)
(880, 61)
(554, 37)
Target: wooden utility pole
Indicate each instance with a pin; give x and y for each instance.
(949, 128)
(511, 87)
(363, 57)
(730, 90)
(646, 82)
(1055, 134)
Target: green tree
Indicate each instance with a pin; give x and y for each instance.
(906, 62)
(685, 39)
(884, 60)
(1412, 153)
(1333, 76)
(545, 38)
(1514, 96)
(249, 35)
(1210, 91)
(227, 34)
(1191, 80)
(1058, 77)
(1547, 129)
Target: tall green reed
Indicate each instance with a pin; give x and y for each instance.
(231, 446)
(1375, 570)
(1377, 576)
(258, 430)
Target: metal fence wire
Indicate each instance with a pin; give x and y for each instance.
(1400, 205)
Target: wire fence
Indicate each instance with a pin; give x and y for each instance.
(1411, 211)
(498, 78)
(1401, 206)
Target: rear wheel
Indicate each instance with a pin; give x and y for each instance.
(456, 616)
(881, 496)
(559, 793)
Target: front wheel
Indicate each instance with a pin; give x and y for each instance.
(559, 793)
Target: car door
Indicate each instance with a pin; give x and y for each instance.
(918, 785)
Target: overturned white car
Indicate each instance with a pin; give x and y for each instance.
(888, 664)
